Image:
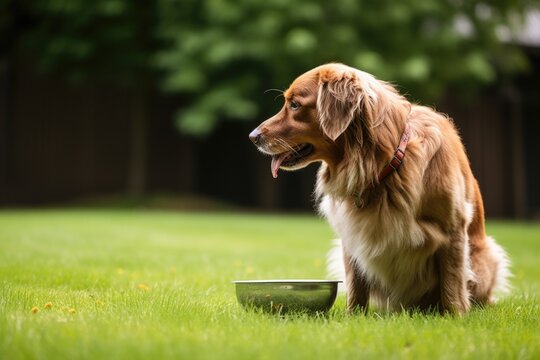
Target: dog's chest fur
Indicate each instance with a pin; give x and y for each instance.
(390, 250)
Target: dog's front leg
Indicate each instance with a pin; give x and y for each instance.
(357, 286)
(453, 275)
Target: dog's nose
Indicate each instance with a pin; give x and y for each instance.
(255, 136)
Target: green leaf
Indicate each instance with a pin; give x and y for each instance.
(188, 80)
(300, 40)
(479, 67)
(416, 68)
(195, 121)
(369, 61)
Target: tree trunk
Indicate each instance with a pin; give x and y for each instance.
(140, 106)
(6, 89)
(518, 164)
(138, 157)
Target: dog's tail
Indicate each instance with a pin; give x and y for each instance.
(502, 284)
(334, 264)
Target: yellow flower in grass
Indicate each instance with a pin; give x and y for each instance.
(72, 311)
(100, 303)
(143, 287)
(35, 309)
(48, 305)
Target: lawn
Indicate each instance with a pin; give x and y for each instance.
(125, 284)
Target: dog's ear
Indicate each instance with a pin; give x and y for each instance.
(342, 96)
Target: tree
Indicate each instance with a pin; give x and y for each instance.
(225, 53)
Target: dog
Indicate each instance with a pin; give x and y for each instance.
(396, 186)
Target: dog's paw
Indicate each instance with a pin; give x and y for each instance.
(457, 307)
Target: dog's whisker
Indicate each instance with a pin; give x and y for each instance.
(287, 146)
(293, 145)
(282, 144)
(278, 90)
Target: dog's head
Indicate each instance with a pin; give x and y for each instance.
(319, 107)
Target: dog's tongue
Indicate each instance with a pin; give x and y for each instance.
(276, 163)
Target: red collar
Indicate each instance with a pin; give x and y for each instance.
(397, 159)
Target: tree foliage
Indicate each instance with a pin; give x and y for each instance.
(86, 40)
(227, 52)
(222, 54)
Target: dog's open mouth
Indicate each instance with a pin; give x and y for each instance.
(291, 158)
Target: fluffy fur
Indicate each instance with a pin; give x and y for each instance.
(415, 240)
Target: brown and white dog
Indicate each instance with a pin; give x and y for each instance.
(412, 238)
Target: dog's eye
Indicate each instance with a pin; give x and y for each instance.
(294, 105)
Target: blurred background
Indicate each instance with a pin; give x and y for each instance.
(152, 101)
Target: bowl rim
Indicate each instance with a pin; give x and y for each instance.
(296, 281)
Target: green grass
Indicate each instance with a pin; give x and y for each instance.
(141, 285)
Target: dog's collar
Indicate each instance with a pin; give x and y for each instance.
(393, 165)
(397, 159)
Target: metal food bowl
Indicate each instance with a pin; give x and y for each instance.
(287, 295)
